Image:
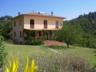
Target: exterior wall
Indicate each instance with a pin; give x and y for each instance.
(18, 28)
(39, 22)
(38, 25)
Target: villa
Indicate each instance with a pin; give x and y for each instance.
(35, 22)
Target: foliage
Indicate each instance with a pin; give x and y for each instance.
(45, 35)
(58, 63)
(33, 41)
(88, 41)
(2, 52)
(87, 23)
(14, 66)
(64, 63)
(30, 39)
(28, 32)
(6, 18)
(48, 34)
(6, 27)
(69, 33)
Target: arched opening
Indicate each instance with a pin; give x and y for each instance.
(31, 23)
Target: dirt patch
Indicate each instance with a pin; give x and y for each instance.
(52, 42)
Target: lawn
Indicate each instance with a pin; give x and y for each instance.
(21, 51)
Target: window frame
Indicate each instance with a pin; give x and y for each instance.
(57, 24)
(21, 34)
(31, 23)
(14, 34)
(45, 24)
(20, 22)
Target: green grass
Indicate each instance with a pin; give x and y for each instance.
(21, 51)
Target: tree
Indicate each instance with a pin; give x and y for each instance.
(2, 52)
(88, 40)
(6, 27)
(69, 33)
(7, 30)
(88, 25)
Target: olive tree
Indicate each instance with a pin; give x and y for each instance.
(69, 33)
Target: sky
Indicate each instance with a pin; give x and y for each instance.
(69, 9)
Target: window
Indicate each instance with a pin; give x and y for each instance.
(20, 34)
(57, 24)
(14, 23)
(20, 22)
(31, 23)
(14, 34)
(45, 23)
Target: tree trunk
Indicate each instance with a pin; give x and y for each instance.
(67, 45)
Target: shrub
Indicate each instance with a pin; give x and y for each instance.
(34, 41)
(52, 38)
(59, 63)
(2, 52)
(27, 42)
(84, 42)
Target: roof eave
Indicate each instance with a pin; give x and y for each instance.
(38, 15)
(44, 16)
(17, 16)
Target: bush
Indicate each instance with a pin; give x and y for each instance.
(27, 42)
(52, 38)
(59, 63)
(84, 42)
(2, 52)
(33, 41)
(38, 42)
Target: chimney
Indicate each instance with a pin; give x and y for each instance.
(51, 13)
(18, 13)
(38, 12)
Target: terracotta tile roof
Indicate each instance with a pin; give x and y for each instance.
(40, 14)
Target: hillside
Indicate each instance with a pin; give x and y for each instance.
(86, 21)
(6, 26)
